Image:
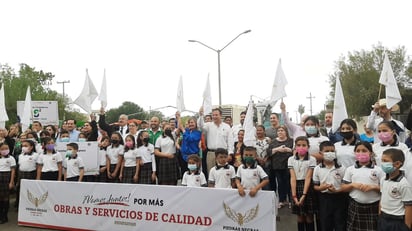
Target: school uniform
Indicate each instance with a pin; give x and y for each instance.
(194, 179)
(146, 153)
(27, 170)
(129, 169)
(251, 176)
(6, 165)
(222, 176)
(379, 148)
(314, 142)
(113, 155)
(301, 167)
(345, 153)
(332, 209)
(363, 206)
(167, 168)
(72, 166)
(396, 193)
(102, 177)
(49, 163)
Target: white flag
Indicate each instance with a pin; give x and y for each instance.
(339, 107)
(250, 131)
(103, 91)
(27, 111)
(207, 98)
(180, 103)
(278, 88)
(3, 112)
(387, 78)
(87, 96)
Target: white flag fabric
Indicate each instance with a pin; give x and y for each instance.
(207, 98)
(278, 88)
(250, 136)
(103, 91)
(387, 79)
(339, 107)
(87, 96)
(180, 103)
(3, 112)
(25, 118)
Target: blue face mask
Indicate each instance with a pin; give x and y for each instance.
(311, 130)
(65, 139)
(387, 167)
(69, 153)
(82, 139)
(192, 167)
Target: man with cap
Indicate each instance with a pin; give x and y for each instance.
(381, 113)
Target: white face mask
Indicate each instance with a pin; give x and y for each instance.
(330, 156)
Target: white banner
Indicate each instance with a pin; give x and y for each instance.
(105, 206)
(46, 112)
(88, 151)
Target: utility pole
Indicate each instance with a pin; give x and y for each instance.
(64, 96)
(310, 99)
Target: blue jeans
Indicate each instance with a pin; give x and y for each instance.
(280, 182)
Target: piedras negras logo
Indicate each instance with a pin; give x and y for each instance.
(36, 201)
(239, 217)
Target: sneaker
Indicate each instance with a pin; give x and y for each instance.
(280, 205)
(290, 205)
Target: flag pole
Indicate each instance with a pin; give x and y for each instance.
(380, 90)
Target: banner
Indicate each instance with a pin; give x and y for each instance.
(46, 112)
(106, 206)
(88, 151)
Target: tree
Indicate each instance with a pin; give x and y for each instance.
(359, 74)
(301, 109)
(133, 111)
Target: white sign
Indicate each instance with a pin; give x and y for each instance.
(88, 151)
(46, 112)
(107, 206)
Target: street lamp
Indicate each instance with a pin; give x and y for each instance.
(218, 59)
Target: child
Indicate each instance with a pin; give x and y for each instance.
(250, 175)
(82, 137)
(49, 164)
(104, 143)
(64, 136)
(145, 151)
(327, 178)
(301, 166)
(362, 182)
(27, 165)
(223, 175)
(129, 171)
(115, 157)
(396, 199)
(194, 177)
(73, 164)
(7, 173)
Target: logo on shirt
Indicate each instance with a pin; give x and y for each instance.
(338, 176)
(374, 175)
(36, 201)
(394, 192)
(239, 217)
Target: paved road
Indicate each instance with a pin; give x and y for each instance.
(286, 221)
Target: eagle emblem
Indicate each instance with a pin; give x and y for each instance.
(36, 201)
(239, 217)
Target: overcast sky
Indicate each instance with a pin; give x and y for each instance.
(143, 45)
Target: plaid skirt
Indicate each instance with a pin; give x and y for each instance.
(145, 176)
(362, 217)
(128, 174)
(102, 177)
(116, 178)
(167, 170)
(4, 185)
(309, 205)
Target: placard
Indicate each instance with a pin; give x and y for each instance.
(88, 151)
(46, 112)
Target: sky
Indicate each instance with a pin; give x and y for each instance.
(144, 48)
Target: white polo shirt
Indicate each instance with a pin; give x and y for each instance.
(49, 162)
(73, 166)
(6, 164)
(222, 177)
(396, 193)
(130, 158)
(147, 155)
(314, 143)
(364, 175)
(102, 156)
(114, 152)
(27, 163)
(194, 180)
(379, 148)
(345, 153)
(166, 144)
(250, 177)
(301, 167)
(325, 175)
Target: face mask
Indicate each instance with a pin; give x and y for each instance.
(32, 139)
(65, 139)
(347, 135)
(168, 132)
(330, 156)
(301, 151)
(311, 130)
(50, 147)
(25, 149)
(115, 141)
(69, 153)
(249, 160)
(192, 167)
(129, 144)
(4, 152)
(82, 139)
(385, 136)
(363, 157)
(387, 167)
(146, 139)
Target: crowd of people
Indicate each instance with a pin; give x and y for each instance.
(332, 180)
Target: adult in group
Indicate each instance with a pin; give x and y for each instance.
(271, 131)
(326, 130)
(154, 130)
(381, 113)
(71, 128)
(90, 129)
(120, 126)
(37, 127)
(218, 135)
(52, 131)
(236, 128)
(294, 130)
(133, 129)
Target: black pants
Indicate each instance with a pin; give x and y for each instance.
(332, 211)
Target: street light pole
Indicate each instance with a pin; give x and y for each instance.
(64, 96)
(218, 59)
